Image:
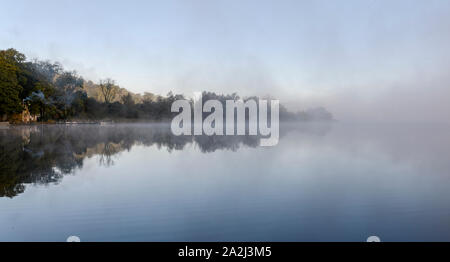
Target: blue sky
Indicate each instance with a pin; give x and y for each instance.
(358, 58)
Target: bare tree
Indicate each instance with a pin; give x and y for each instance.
(109, 89)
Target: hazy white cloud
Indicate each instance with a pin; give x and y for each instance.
(364, 60)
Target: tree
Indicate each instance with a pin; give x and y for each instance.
(109, 90)
(67, 84)
(47, 70)
(10, 89)
(128, 100)
(148, 97)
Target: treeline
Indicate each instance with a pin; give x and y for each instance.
(45, 89)
(41, 87)
(48, 91)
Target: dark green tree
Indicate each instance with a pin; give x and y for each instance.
(10, 89)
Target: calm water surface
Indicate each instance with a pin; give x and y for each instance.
(322, 182)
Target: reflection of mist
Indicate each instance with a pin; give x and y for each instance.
(44, 154)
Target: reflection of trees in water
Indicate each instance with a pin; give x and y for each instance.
(208, 144)
(107, 151)
(44, 154)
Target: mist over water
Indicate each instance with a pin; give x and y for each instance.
(138, 182)
(376, 73)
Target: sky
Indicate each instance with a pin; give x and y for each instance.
(364, 60)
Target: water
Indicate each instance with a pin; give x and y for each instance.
(322, 182)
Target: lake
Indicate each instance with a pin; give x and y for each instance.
(138, 182)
